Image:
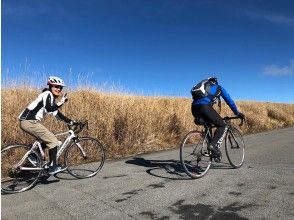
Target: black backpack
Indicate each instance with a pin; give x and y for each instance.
(202, 90)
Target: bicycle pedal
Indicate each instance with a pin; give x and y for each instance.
(206, 153)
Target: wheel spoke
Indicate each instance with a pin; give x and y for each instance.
(194, 161)
(14, 178)
(86, 158)
(235, 147)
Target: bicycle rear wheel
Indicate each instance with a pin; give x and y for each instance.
(235, 147)
(85, 157)
(194, 155)
(16, 176)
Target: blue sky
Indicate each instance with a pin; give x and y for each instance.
(154, 47)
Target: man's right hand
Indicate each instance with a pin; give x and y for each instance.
(72, 122)
(63, 100)
(241, 115)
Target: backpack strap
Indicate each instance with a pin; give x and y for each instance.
(216, 98)
(219, 104)
(218, 92)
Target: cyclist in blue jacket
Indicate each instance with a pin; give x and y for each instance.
(202, 108)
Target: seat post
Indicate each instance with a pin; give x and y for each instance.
(38, 147)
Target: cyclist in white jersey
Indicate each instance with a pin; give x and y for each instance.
(31, 117)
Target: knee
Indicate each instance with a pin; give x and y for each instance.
(54, 144)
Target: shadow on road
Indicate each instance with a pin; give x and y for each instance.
(65, 176)
(42, 180)
(170, 169)
(221, 165)
(167, 169)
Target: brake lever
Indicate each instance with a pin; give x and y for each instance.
(226, 118)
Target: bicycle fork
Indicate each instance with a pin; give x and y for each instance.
(235, 144)
(81, 149)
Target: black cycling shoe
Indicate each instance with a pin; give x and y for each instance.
(217, 159)
(55, 169)
(215, 151)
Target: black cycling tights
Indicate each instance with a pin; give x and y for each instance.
(52, 156)
(210, 116)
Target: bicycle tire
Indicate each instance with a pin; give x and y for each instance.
(194, 156)
(235, 147)
(84, 166)
(14, 179)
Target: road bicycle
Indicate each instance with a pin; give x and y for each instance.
(196, 158)
(83, 158)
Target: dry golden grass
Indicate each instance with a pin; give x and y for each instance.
(129, 124)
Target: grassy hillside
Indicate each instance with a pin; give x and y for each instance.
(129, 124)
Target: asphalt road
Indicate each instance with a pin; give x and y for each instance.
(154, 186)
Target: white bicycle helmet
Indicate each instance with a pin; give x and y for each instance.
(55, 81)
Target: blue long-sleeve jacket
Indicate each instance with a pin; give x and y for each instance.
(223, 93)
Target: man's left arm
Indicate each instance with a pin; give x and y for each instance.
(229, 100)
(62, 117)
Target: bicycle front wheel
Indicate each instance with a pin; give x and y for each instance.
(85, 157)
(235, 147)
(194, 155)
(18, 172)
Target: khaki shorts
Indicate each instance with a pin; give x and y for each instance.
(35, 128)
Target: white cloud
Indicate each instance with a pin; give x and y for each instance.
(274, 70)
(35, 8)
(22, 10)
(273, 18)
(279, 19)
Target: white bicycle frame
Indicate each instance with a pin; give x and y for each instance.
(66, 142)
(37, 144)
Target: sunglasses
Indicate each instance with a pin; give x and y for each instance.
(58, 87)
